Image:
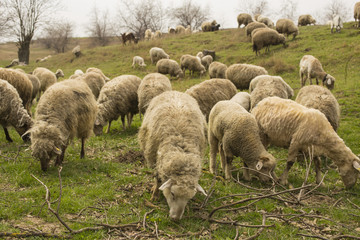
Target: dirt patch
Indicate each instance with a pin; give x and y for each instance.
(130, 157)
(35, 224)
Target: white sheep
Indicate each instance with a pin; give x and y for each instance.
(156, 54)
(157, 34)
(285, 123)
(217, 70)
(242, 74)
(169, 66)
(310, 67)
(172, 137)
(76, 51)
(98, 70)
(336, 23)
(243, 99)
(206, 61)
(46, 77)
(191, 63)
(137, 60)
(94, 81)
(148, 34)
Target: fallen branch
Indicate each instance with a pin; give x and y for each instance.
(257, 234)
(356, 206)
(29, 234)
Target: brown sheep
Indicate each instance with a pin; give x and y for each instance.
(252, 26)
(265, 38)
(306, 20)
(244, 18)
(288, 27)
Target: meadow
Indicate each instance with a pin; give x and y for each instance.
(107, 194)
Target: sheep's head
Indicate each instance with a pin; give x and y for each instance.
(264, 166)
(180, 74)
(329, 81)
(23, 130)
(98, 127)
(177, 196)
(350, 173)
(59, 73)
(282, 39)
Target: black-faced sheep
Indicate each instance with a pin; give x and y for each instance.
(66, 110)
(171, 67)
(242, 74)
(94, 81)
(12, 111)
(217, 70)
(117, 97)
(310, 67)
(206, 61)
(290, 124)
(209, 92)
(152, 85)
(243, 99)
(192, 64)
(287, 27)
(137, 60)
(265, 37)
(234, 132)
(336, 23)
(252, 26)
(357, 14)
(172, 137)
(306, 20)
(244, 18)
(322, 99)
(157, 53)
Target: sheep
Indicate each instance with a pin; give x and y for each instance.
(117, 97)
(137, 60)
(209, 92)
(172, 137)
(192, 64)
(210, 26)
(242, 74)
(217, 70)
(306, 20)
(357, 14)
(244, 18)
(171, 67)
(158, 34)
(148, 34)
(152, 85)
(254, 82)
(322, 99)
(12, 111)
(253, 25)
(243, 99)
(206, 61)
(46, 77)
(188, 30)
(76, 51)
(22, 84)
(269, 86)
(94, 81)
(66, 110)
(234, 132)
(336, 23)
(171, 30)
(267, 21)
(310, 67)
(129, 36)
(59, 73)
(14, 62)
(200, 55)
(179, 29)
(156, 54)
(79, 72)
(265, 37)
(209, 52)
(288, 27)
(285, 123)
(34, 81)
(97, 70)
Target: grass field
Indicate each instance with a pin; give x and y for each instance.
(111, 187)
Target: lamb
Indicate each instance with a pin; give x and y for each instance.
(269, 86)
(310, 67)
(253, 25)
(97, 70)
(290, 124)
(12, 111)
(94, 81)
(171, 67)
(210, 26)
(137, 60)
(117, 97)
(152, 85)
(306, 20)
(209, 92)
(357, 14)
(22, 84)
(206, 61)
(192, 64)
(267, 21)
(217, 70)
(244, 18)
(148, 34)
(179, 29)
(336, 23)
(322, 99)
(66, 110)
(234, 132)
(243, 99)
(172, 137)
(242, 74)
(288, 27)
(265, 37)
(156, 54)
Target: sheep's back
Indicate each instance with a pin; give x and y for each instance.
(242, 74)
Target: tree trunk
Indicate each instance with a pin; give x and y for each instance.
(24, 51)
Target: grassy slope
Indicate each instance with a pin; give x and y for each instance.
(113, 177)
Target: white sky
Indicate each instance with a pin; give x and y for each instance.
(223, 11)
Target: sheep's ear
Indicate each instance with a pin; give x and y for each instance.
(57, 151)
(200, 189)
(329, 81)
(356, 165)
(166, 184)
(259, 165)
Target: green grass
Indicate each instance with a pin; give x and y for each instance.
(112, 184)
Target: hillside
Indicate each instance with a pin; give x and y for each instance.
(112, 186)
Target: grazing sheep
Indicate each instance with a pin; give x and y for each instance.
(244, 18)
(22, 84)
(306, 20)
(117, 97)
(209, 92)
(156, 54)
(94, 81)
(179, 29)
(171, 30)
(148, 34)
(35, 83)
(129, 37)
(97, 70)
(137, 60)
(243, 99)
(287, 27)
(171, 67)
(265, 37)
(76, 51)
(59, 73)
(210, 26)
(234, 132)
(66, 110)
(242, 74)
(14, 62)
(12, 111)
(158, 34)
(269, 86)
(290, 124)
(336, 23)
(217, 70)
(192, 64)
(357, 14)
(322, 99)
(310, 67)
(254, 82)
(206, 61)
(172, 137)
(152, 85)
(46, 77)
(267, 21)
(252, 26)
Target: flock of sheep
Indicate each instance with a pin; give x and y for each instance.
(177, 126)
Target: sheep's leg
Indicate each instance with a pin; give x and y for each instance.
(293, 150)
(228, 163)
(317, 81)
(317, 161)
(214, 145)
(246, 172)
(310, 80)
(8, 138)
(155, 190)
(129, 117)
(60, 158)
(302, 80)
(123, 121)
(108, 128)
(82, 153)
(222, 156)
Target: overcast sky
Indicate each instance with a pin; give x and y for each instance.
(224, 11)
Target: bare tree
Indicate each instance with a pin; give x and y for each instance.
(189, 14)
(288, 9)
(336, 7)
(5, 21)
(26, 17)
(57, 36)
(100, 28)
(253, 7)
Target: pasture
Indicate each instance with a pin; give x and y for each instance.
(109, 191)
